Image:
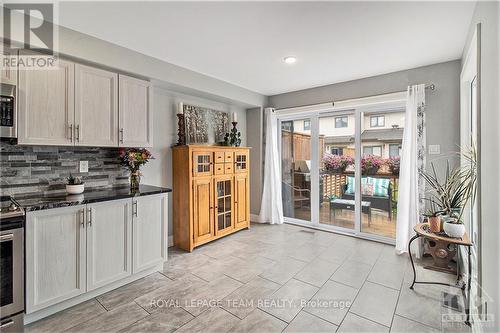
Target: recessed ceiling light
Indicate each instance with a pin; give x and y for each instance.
(289, 59)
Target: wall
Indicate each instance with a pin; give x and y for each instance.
(254, 119)
(159, 171)
(442, 111)
(28, 171)
(488, 14)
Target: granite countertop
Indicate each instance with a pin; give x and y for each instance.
(87, 197)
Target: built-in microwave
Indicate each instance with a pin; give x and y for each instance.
(8, 111)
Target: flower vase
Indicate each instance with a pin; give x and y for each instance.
(135, 180)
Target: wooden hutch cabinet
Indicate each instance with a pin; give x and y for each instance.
(211, 193)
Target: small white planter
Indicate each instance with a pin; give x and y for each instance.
(455, 230)
(75, 189)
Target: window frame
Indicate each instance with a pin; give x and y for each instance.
(308, 128)
(371, 147)
(346, 121)
(377, 122)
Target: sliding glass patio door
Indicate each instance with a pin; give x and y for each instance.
(340, 170)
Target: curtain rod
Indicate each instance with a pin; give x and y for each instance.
(430, 86)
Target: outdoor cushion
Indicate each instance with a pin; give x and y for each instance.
(380, 186)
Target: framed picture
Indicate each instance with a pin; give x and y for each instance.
(204, 125)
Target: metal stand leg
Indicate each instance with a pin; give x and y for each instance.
(469, 279)
(411, 260)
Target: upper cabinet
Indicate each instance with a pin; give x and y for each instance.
(96, 107)
(7, 75)
(74, 104)
(135, 113)
(46, 106)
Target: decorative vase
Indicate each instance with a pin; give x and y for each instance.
(454, 230)
(135, 180)
(75, 189)
(434, 223)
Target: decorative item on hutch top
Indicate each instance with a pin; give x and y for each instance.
(181, 125)
(133, 159)
(233, 139)
(203, 125)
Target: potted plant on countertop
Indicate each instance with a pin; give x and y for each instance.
(457, 190)
(133, 159)
(337, 163)
(75, 185)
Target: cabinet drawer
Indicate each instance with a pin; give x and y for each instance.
(219, 157)
(228, 168)
(219, 169)
(228, 157)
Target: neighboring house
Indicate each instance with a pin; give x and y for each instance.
(382, 133)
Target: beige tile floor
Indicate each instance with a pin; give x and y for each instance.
(271, 278)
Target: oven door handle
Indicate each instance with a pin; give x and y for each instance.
(6, 324)
(8, 237)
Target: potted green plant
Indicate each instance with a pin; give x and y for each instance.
(337, 163)
(433, 215)
(75, 185)
(455, 192)
(393, 163)
(370, 164)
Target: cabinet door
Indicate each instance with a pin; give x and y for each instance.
(8, 75)
(109, 242)
(149, 231)
(96, 107)
(223, 189)
(241, 201)
(203, 203)
(202, 163)
(46, 105)
(55, 256)
(135, 113)
(241, 162)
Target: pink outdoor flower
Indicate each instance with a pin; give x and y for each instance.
(337, 162)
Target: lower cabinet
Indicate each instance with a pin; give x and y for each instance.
(75, 250)
(55, 256)
(149, 231)
(109, 242)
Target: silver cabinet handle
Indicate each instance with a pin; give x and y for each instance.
(121, 135)
(82, 217)
(71, 133)
(77, 128)
(7, 237)
(134, 211)
(89, 222)
(6, 324)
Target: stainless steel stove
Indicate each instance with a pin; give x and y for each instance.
(11, 266)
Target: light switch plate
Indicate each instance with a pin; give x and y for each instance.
(434, 149)
(84, 166)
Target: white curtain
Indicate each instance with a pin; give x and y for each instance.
(271, 208)
(411, 185)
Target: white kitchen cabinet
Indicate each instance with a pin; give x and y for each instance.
(96, 107)
(149, 234)
(8, 75)
(55, 256)
(109, 242)
(46, 105)
(135, 114)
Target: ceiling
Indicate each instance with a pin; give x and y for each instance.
(244, 43)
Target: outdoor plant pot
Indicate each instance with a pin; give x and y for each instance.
(455, 230)
(434, 223)
(75, 189)
(371, 171)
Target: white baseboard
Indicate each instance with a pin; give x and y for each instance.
(254, 218)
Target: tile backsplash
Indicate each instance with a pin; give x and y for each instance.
(27, 171)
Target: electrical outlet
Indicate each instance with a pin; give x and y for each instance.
(84, 166)
(434, 149)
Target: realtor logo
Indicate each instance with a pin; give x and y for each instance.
(30, 24)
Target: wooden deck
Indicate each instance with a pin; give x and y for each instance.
(380, 223)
